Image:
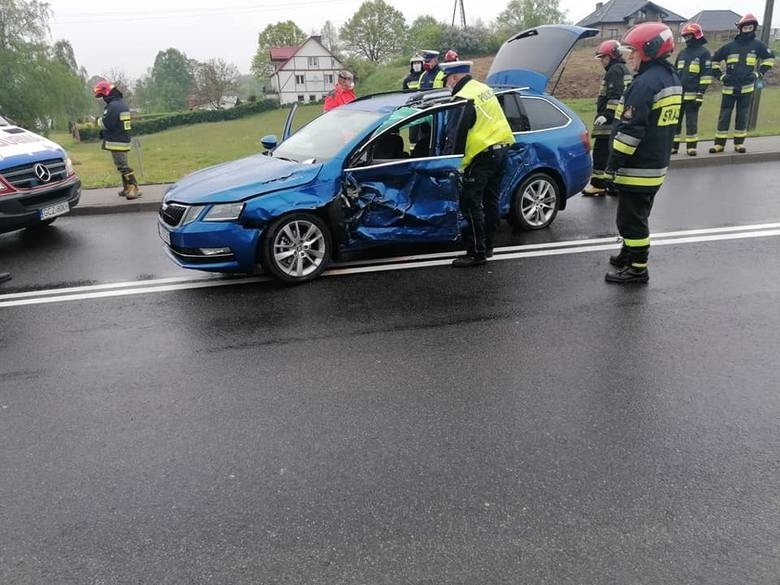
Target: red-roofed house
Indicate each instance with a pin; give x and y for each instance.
(305, 73)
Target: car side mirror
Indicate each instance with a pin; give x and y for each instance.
(269, 142)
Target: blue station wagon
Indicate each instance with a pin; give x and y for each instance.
(372, 173)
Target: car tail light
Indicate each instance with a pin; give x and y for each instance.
(585, 137)
(5, 187)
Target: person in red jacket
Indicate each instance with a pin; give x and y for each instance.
(343, 92)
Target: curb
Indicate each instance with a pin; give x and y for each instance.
(124, 206)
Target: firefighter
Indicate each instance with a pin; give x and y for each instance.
(642, 144)
(482, 133)
(115, 128)
(747, 60)
(432, 76)
(694, 67)
(450, 56)
(412, 81)
(616, 78)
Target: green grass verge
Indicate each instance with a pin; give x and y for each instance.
(768, 114)
(169, 155)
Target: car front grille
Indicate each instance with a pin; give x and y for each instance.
(24, 177)
(172, 213)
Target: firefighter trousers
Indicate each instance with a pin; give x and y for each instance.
(600, 157)
(632, 220)
(741, 103)
(479, 200)
(690, 114)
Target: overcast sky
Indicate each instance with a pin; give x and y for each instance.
(128, 35)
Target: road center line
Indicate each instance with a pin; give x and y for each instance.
(129, 288)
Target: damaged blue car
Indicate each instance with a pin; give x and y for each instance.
(372, 173)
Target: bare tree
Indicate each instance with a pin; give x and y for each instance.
(214, 79)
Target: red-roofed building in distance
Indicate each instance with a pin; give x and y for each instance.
(305, 73)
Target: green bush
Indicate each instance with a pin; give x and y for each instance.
(153, 123)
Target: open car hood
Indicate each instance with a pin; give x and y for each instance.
(241, 179)
(530, 58)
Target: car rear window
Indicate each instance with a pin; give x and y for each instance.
(542, 114)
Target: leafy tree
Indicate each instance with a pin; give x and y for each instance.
(214, 79)
(472, 40)
(281, 34)
(170, 82)
(41, 84)
(522, 14)
(330, 37)
(376, 31)
(425, 33)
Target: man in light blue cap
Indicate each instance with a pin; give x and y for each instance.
(482, 133)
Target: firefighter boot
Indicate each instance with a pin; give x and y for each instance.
(675, 147)
(125, 184)
(717, 149)
(620, 260)
(628, 275)
(132, 187)
(691, 151)
(592, 191)
(740, 148)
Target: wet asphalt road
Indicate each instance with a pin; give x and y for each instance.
(525, 423)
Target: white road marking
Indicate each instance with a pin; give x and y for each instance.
(139, 287)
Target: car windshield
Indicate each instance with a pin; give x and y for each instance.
(326, 135)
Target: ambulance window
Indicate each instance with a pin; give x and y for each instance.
(543, 115)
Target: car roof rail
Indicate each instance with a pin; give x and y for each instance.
(429, 97)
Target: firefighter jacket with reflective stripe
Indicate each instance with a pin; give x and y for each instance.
(743, 56)
(485, 118)
(432, 79)
(115, 124)
(647, 121)
(616, 79)
(694, 67)
(412, 81)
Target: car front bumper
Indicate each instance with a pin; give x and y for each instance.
(211, 246)
(22, 209)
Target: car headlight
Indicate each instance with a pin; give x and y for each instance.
(69, 170)
(224, 212)
(191, 214)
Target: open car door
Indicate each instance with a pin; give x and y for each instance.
(403, 187)
(530, 58)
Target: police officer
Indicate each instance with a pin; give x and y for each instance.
(616, 78)
(115, 132)
(412, 81)
(432, 76)
(742, 56)
(482, 133)
(642, 144)
(694, 67)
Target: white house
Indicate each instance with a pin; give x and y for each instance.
(305, 73)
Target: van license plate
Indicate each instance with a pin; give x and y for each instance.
(54, 210)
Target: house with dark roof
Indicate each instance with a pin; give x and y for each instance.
(717, 24)
(305, 73)
(615, 17)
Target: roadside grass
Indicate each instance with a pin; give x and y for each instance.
(768, 114)
(169, 155)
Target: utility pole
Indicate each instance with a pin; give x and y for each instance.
(766, 32)
(459, 4)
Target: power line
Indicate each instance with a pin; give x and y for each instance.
(459, 4)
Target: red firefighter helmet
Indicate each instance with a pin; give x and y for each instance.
(693, 29)
(746, 20)
(610, 48)
(652, 40)
(450, 56)
(103, 88)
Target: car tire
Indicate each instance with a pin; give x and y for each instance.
(296, 248)
(536, 202)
